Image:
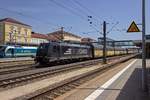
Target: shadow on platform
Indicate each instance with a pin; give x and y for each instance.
(132, 89)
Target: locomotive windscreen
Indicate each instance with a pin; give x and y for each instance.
(42, 50)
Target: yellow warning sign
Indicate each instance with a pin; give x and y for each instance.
(133, 28)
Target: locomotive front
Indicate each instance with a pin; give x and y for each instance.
(2, 51)
(42, 51)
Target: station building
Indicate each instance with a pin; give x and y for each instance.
(64, 36)
(37, 38)
(14, 32)
(87, 40)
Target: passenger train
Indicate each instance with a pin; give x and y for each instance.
(59, 51)
(17, 51)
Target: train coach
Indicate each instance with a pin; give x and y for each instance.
(60, 51)
(7, 51)
(110, 51)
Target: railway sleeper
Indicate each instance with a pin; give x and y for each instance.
(28, 77)
(62, 91)
(72, 86)
(47, 97)
(4, 82)
(33, 76)
(53, 94)
(17, 80)
(57, 93)
(23, 78)
(76, 84)
(66, 88)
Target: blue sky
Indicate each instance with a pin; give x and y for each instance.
(46, 16)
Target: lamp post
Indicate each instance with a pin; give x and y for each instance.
(104, 42)
(62, 33)
(10, 37)
(15, 36)
(144, 73)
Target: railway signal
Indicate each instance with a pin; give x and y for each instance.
(133, 28)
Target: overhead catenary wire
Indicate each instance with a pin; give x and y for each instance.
(89, 32)
(87, 12)
(96, 30)
(77, 8)
(67, 9)
(112, 27)
(28, 16)
(87, 9)
(71, 10)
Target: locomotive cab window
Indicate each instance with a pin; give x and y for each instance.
(11, 50)
(54, 48)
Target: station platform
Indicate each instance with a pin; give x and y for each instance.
(123, 82)
(15, 59)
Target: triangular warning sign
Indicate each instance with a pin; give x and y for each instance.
(133, 28)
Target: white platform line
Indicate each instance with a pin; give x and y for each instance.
(100, 90)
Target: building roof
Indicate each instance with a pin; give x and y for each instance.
(43, 36)
(58, 34)
(88, 40)
(11, 20)
(108, 39)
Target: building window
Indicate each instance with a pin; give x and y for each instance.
(10, 37)
(15, 30)
(19, 39)
(11, 29)
(26, 32)
(25, 40)
(1, 27)
(19, 30)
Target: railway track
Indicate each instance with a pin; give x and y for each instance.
(17, 69)
(14, 67)
(17, 59)
(53, 92)
(17, 66)
(21, 78)
(25, 77)
(14, 64)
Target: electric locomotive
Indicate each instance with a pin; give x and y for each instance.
(56, 51)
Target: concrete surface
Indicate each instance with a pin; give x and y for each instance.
(126, 87)
(15, 59)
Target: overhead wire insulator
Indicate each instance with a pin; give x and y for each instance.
(89, 16)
